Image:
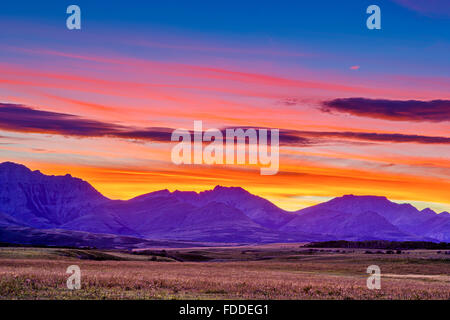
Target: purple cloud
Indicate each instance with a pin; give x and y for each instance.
(376, 137)
(306, 138)
(396, 110)
(20, 118)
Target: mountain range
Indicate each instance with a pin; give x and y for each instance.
(56, 210)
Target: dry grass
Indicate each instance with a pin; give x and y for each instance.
(292, 275)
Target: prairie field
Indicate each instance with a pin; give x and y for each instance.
(284, 271)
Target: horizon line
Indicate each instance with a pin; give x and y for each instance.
(227, 187)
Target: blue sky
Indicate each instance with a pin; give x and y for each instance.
(408, 37)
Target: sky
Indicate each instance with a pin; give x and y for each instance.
(360, 111)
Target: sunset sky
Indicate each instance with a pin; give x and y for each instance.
(359, 111)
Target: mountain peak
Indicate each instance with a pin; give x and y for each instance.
(428, 211)
(220, 188)
(363, 200)
(21, 170)
(151, 195)
(362, 197)
(10, 166)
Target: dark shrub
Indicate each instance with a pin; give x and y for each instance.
(381, 244)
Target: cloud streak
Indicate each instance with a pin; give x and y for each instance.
(308, 138)
(375, 137)
(428, 8)
(395, 110)
(21, 118)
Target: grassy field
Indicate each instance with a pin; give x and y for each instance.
(284, 271)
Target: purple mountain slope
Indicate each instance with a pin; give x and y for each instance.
(405, 217)
(35, 200)
(220, 222)
(259, 210)
(99, 220)
(32, 199)
(256, 208)
(166, 215)
(44, 201)
(6, 220)
(365, 225)
(59, 237)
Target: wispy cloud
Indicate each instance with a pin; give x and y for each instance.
(21, 118)
(427, 7)
(397, 110)
(376, 137)
(307, 138)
